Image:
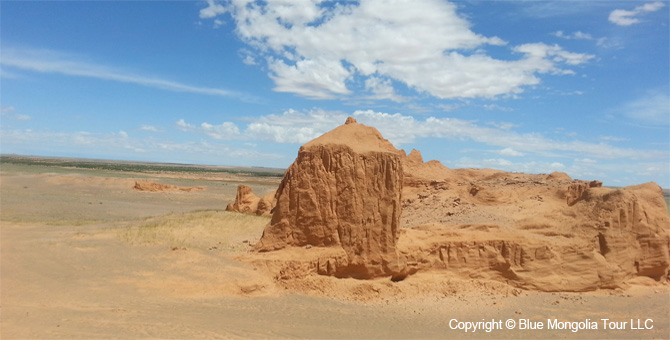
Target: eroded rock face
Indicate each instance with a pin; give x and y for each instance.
(338, 213)
(548, 236)
(577, 190)
(632, 226)
(247, 202)
(343, 190)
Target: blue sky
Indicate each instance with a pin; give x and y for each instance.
(528, 86)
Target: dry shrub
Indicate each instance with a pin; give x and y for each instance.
(206, 230)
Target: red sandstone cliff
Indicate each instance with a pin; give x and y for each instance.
(343, 191)
(339, 213)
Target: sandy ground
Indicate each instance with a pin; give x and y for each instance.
(82, 255)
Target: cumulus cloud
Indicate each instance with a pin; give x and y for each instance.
(300, 127)
(318, 78)
(223, 131)
(623, 17)
(382, 89)
(322, 50)
(213, 9)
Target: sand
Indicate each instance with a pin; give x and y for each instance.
(83, 255)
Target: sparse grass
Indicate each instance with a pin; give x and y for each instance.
(203, 229)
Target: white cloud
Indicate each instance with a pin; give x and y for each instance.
(626, 18)
(449, 107)
(586, 160)
(556, 8)
(503, 125)
(556, 166)
(544, 57)
(224, 131)
(613, 139)
(249, 60)
(21, 117)
(248, 57)
(491, 107)
(320, 52)
(382, 89)
(300, 127)
(218, 23)
(213, 9)
(290, 127)
(121, 145)
(653, 108)
(604, 42)
(578, 35)
(507, 165)
(8, 112)
(313, 78)
(184, 126)
(47, 61)
(149, 128)
(510, 152)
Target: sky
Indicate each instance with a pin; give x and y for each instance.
(526, 86)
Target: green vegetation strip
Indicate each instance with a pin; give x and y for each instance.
(133, 167)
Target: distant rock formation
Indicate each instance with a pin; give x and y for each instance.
(247, 202)
(158, 187)
(343, 190)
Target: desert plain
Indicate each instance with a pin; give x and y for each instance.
(101, 252)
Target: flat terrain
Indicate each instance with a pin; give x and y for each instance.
(84, 255)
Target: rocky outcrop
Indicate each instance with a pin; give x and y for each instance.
(557, 176)
(596, 238)
(414, 157)
(158, 187)
(577, 190)
(338, 213)
(343, 191)
(632, 228)
(247, 202)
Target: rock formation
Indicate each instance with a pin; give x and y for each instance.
(343, 191)
(339, 213)
(247, 202)
(576, 191)
(158, 187)
(542, 232)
